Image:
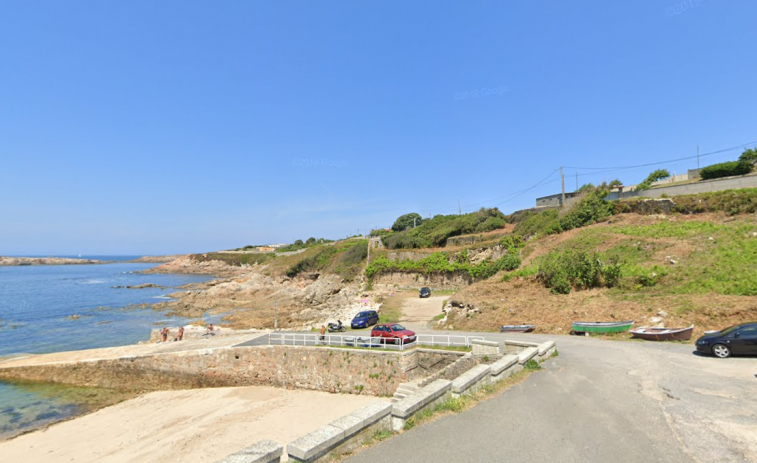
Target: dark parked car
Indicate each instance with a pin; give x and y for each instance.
(393, 332)
(365, 319)
(425, 291)
(736, 340)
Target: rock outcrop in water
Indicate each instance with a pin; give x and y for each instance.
(11, 261)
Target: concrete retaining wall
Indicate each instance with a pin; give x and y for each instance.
(317, 368)
(351, 430)
(704, 186)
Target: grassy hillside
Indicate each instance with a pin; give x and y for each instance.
(686, 269)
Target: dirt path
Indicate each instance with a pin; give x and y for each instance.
(420, 311)
(190, 426)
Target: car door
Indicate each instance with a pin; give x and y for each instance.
(374, 318)
(744, 340)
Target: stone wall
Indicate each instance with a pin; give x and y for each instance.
(704, 186)
(416, 280)
(463, 363)
(318, 368)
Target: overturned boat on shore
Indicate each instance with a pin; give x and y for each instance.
(663, 334)
(602, 327)
(516, 328)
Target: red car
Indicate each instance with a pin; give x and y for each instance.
(394, 332)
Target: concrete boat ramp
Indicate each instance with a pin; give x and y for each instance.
(131, 351)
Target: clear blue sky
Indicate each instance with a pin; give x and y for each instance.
(150, 127)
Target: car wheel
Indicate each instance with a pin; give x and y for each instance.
(721, 350)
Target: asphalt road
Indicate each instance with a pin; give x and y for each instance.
(600, 401)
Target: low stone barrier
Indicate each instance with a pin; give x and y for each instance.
(504, 368)
(471, 380)
(527, 355)
(349, 431)
(546, 349)
(417, 401)
(264, 451)
(339, 434)
(481, 347)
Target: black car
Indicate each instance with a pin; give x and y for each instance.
(425, 291)
(365, 319)
(736, 340)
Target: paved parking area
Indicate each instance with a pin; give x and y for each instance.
(600, 401)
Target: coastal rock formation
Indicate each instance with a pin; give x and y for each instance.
(185, 264)
(142, 286)
(253, 296)
(156, 259)
(11, 261)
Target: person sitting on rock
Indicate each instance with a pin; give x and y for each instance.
(209, 330)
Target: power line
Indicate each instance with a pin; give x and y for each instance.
(601, 170)
(664, 162)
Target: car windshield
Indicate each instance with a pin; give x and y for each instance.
(730, 329)
(398, 328)
(363, 314)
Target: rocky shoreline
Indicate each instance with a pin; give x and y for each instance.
(252, 297)
(19, 261)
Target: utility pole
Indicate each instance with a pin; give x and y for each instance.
(413, 222)
(275, 315)
(459, 211)
(562, 180)
(697, 155)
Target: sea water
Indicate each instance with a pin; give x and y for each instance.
(53, 308)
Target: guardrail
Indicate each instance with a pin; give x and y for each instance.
(371, 342)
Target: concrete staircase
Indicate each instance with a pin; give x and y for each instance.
(404, 390)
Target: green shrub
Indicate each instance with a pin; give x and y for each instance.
(562, 271)
(536, 223)
(651, 178)
(491, 223)
(439, 262)
(591, 209)
(726, 169)
(749, 155)
(435, 231)
(349, 263)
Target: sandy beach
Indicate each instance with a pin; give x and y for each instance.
(199, 425)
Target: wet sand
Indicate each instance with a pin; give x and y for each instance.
(199, 425)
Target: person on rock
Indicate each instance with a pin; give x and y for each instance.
(180, 335)
(164, 334)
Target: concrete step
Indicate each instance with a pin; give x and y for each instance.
(405, 390)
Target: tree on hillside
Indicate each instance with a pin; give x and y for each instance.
(310, 241)
(407, 221)
(615, 183)
(298, 243)
(651, 178)
(586, 187)
(749, 155)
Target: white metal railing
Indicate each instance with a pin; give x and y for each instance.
(371, 342)
(446, 340)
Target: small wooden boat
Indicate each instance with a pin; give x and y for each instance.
(663, 334)
(602, 327)
(516, 328)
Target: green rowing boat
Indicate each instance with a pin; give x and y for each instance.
(602, 327)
